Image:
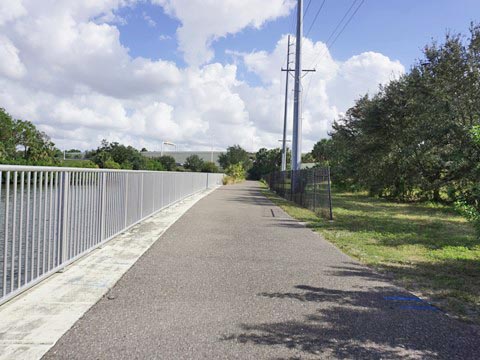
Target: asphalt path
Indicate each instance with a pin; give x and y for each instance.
(237, 278)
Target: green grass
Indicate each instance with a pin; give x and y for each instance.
(426, 248)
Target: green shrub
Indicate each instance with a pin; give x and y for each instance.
(236, 171)
(470, 212)
(79, 164)
(110, 164)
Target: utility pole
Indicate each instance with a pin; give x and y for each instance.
(297, 105)
(285, 114)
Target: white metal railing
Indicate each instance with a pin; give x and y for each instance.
(51, 216)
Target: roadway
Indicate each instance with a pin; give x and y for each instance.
(237, 278)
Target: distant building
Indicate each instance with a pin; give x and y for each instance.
(181, 156)
(307, 165)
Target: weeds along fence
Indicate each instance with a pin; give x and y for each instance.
(50, 217)
(310, 188)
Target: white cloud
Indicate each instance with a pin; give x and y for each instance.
(327, 93)
(204, 21)
(164, 37)
(11, 66)
(65, 69)
(10, 10)
(149, 20)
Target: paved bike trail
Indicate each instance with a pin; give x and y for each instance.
(237, 278)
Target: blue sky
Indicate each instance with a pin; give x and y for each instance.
(143, 71)
(397, 29)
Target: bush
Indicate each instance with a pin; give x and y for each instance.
(79, 164)
(209, 167)
(235, 173)
(110, 164)
(470, 212)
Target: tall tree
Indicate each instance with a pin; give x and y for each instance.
(235, 154)
(266, 161)
(411, 140)
(193, 163)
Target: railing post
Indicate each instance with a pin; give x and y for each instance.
(64, 222)
(103, 205)
(126, 198)
(141, 199)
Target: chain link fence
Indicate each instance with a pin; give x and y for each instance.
(310, 188)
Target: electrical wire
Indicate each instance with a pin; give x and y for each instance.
(306, 10)
(346, 24)
(328, 45)
(315, 18)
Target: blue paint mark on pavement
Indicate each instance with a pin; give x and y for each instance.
(419, 307)
(403, 298)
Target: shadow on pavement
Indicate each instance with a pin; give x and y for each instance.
(382, 323)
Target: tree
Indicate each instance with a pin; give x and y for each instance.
(168, 162)
(36, 144)
(468, 204)
(36, 147)
(210, 167)
(266, 161)
(193, 163)
(111, 164)
(7, 141)
(153, 165)
(129, 157)
(322, 150)
(308, 158)
(235, 154)
(411, 140)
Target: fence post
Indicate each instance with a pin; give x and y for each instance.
(64, 214)
(102, 206)
(291, 185)
(314, 191)
(126, 198)
(329, 193)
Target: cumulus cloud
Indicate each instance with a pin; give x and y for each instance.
(204, 21)
(327, 93)
(10, 10)
(66, 70)
(11, 66)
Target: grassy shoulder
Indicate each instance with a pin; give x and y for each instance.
(426, 248)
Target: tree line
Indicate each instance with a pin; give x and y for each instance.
(417, 138)
(21, 143)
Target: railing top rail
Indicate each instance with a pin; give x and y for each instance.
(75, 169)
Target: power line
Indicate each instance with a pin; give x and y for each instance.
(306, 10)
(329, 46)
(348, 21)
(341, 21)
(315, 18)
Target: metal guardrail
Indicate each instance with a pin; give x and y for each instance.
(49, 217)
(310, 188)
